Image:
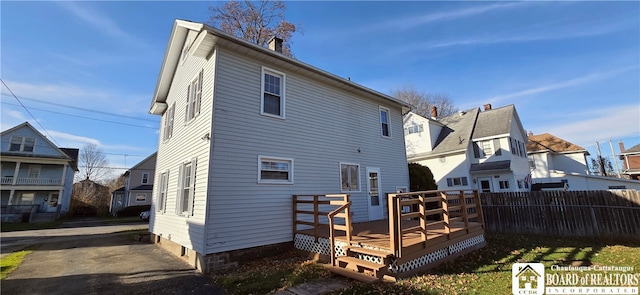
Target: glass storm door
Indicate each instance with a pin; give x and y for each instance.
(485, 185)
(376, 210)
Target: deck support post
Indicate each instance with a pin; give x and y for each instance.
(445, 214)
(465, 214)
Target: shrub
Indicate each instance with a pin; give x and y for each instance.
(421, 178)
(133, 210)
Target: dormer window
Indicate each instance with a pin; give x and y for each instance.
(22, 144)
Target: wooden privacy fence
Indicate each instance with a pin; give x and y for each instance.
(564, 213)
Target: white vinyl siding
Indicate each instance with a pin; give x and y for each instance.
(348, 131)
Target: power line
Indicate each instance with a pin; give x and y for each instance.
(88, 118)
(87, 110)
(32, 116)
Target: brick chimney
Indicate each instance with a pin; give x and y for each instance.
(487, 106)
(275, 44)
(434, 112)
(621, 144)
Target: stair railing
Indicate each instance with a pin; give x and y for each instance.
(343, 211)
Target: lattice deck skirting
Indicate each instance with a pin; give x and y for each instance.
(323, 246)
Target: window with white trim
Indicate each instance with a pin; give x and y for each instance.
(194, 97)
(350, 177)
(385, 125)
(21, 144)
(168, 122)
(145, 177)
(186, 188)
(504, 184)
(34, 171)
(162, 193)
(273, 90)
(415, 128)
(457, 181)
(275, 170)
(141, 197)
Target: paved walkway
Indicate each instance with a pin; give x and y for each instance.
(101, 263)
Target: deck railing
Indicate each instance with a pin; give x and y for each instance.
(435, 210)
(308, 209)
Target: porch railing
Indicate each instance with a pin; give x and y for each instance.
(30, 181)
(434, 210)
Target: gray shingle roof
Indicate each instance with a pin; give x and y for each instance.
(457, 131)
(494, 122)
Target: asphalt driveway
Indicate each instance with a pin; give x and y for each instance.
(109, 263)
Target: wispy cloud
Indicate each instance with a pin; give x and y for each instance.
(560, 84)
(100, 21)
(67, 139)
(417, 21)
(597, 125)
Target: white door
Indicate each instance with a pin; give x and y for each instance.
(484, 184)
(376, 210)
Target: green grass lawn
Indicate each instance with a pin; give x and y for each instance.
(10, 262)
(486, 271)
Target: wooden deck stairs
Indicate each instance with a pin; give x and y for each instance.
(356, 268)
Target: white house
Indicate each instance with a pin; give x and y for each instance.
(471, 149)
(558, 164)
(244, 128)
(36, 174)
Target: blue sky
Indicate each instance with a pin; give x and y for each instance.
(572, 69)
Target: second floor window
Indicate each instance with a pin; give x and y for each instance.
(168, 122)
(22, 144)
(384, 122)
(194, 97)
(273, 84)
(145, 177)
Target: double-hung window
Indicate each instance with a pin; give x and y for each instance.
(273, 99)
(162, 193)
(168, 122)
(194, 97)
(384, 122)
(350, 177)
(186, 188)
(457, 181)
(145, 177)
(275, 170)
(22, 144)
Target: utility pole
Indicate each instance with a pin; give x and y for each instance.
(600, 161)
(615, 161)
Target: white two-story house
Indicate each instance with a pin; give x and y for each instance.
(244, 128)
(472, 149)
(36, 174)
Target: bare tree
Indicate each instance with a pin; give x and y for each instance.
(602, 166)
(93, 163)
(256, 22)
(423, 101)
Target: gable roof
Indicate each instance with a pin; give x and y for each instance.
(143, 161)
(548, 142)
(60, 152)
(209, 37)
(73, 154)
(497, 121)
(456, 132)
(633, 150)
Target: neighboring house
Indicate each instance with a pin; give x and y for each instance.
(561, 165)
(630, 161)
(244, 128)
(35, 171)
(473, 149)
(89, 198)
(138, 186)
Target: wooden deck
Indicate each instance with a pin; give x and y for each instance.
(422, 230)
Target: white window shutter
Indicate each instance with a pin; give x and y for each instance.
(193, 186)
(179, 192)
